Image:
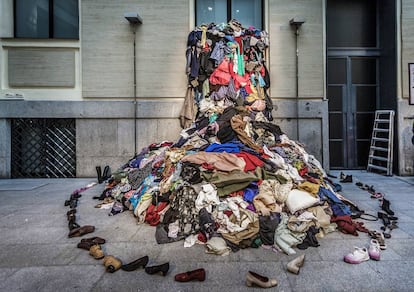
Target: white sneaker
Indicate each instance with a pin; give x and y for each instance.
(374, 250)
(358, 256)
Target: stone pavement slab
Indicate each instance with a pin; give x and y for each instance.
(37, 255)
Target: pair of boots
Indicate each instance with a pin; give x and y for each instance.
(294, 265)
(103, 176)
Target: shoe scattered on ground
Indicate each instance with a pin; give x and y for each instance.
(96, 252)
(253, 278)
(294, 265)
(159, 269)
(76, 232)
(346, 179)
(374, 250)
(111, 263)
(132, 266)
(199, 274)
(358, 256)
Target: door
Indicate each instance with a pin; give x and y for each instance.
(353, 54)
(353, 98)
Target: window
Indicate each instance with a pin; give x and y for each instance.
(46, 19)
(247, 12)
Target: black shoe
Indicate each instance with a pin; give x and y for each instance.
(386, 206)
(346, 179)
(132, 266)
(106, 173)
(72, 225)
(73, 204)
(384, 217)
(158, 269)
(99, 174)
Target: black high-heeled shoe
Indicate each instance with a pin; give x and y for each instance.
(386, 206)
(132, 266)
(163, 269)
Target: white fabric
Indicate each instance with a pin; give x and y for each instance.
(298, 200)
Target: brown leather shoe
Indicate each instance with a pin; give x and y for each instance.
(94, 240)
(76, 232)
(199, 274)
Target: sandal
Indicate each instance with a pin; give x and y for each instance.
(376, 195)
(379, 237)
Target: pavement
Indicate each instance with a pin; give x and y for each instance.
(37, 255)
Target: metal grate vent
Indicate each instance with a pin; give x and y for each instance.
(43, 148)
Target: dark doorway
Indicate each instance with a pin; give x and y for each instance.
(355, 62)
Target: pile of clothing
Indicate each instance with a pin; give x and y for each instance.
(232, 179)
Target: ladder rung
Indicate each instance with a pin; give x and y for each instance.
(380, 139)
(382, 121)
(378, 158)
(381, 130)
(379, 148)
(377, 167)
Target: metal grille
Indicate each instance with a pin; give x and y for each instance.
(43, 148)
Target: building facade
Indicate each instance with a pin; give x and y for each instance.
(109, 88)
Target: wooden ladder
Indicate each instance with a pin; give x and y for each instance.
(381, 150)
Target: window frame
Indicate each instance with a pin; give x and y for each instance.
(51, 24)
(229, 17)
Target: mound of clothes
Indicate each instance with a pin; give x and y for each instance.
(232, 179)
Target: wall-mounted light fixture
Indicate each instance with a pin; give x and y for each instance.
(134, 19)
(296, 23)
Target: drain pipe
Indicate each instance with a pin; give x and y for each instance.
(134, 19)
(297, 22)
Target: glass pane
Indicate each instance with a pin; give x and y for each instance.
(337, 71)
(65, 21)
(351, 23)
(209, 11)
(335, 154)
(364, 123)
(32, 18)
(248, 12)
(362, 153)
(364, 70)
(366, 97)
(335, 126)
(335, 98)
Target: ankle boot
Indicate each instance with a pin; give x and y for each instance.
(132, 266)
(99, 174)
(106, 173)
(386, 206)
(294, 265)
(163, 269)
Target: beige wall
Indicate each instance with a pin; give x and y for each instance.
(107, 48)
